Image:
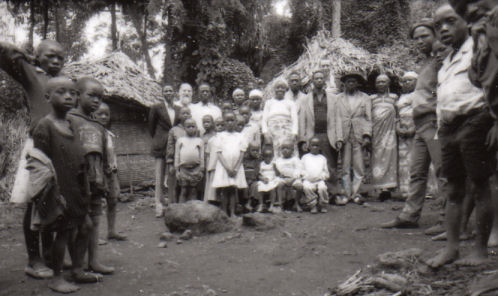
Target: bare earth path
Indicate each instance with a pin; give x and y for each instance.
(306, 256)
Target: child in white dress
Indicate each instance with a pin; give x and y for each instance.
(314, 173)
(288, 169)
(229, 174)
(211, 160)
(268, 180)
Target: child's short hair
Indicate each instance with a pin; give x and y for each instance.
(82, 82)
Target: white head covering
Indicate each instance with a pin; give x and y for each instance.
(281, 81)
(238, 91)
(255, 93)
(410, 74)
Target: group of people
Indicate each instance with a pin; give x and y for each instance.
(291, 151)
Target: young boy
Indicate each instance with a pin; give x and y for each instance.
(189, 161)
(54, 137)
(33, 78)
(103, 116)
(354, 129)
(314, 173)
(174, 134)
(288, 170)
(92, 136)
(464, 122)
(251, 170)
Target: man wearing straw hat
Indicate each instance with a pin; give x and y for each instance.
(426, 148)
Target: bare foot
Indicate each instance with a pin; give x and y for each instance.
(493, 239)
(116, 236)
(87, 277)
(59, 284)
(474, 259)
(100, 268)
(444, 256)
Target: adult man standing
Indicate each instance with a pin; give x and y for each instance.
(426, 148)
(294, 93)
(162, 117)
(204, 107)
(316, 118)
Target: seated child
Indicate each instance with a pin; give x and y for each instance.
(211, 159)
(54, 137)
(251, 168)
(189, 161)
(174, 134)
(103, 116)
(268, 180)
(314, 173)
(288, 169)
(229, 174)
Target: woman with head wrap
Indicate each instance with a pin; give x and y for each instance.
(279, 121)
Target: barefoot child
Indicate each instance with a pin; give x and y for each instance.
(103, 115)
(251, 170)
(189, 161)
(268, 180)
(229, 174)
(53, 137)
(211, 159)
(315, 172)
(174, 134)
(288, 169)
(92, 136)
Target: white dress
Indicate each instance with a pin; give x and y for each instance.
(230, 144)
(267, 170)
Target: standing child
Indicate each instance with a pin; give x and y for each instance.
(229, 175)
(315, 172)
(241, 123)
(174, 134)
(245, 112)
(189, 161)
(239, 99)
(93, 141)
(254, 125)
(211, 160)
(226, 107)
(209, 129)
(103, 115)
(54, 138)
(251, 170)
(268, 180)
(288, 169)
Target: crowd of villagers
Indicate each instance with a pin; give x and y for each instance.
(294, 151)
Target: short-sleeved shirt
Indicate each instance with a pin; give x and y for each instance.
(64, 150)
(289, 167)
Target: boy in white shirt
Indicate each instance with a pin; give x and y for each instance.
(288, 169)
(314, 173)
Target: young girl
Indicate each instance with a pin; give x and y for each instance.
(239, 98)
(189, 161)
(268, 181)
(229, 175)
(103, 115)
(209, 130)
(288, 169)
(211, 160)
(174, 134)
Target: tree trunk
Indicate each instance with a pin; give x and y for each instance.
(31, 25)
(57, 20)
(45, 19)
(114, 31)
(336, 18)
(142, 34)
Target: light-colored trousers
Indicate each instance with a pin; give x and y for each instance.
(352, 156)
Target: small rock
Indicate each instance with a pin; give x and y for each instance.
(287, 234)
(162, 244)
(166, 236)
(186, 235)
(261, 221)
(179, 242)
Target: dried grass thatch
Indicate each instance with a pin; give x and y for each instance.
(121, 78)
(338, 56)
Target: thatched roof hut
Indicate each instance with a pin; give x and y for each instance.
(337, 56)
(129, 92)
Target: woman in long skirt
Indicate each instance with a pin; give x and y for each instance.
(384, 141)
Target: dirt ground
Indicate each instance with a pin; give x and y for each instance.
(306, 256)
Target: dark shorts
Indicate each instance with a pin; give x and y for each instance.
(464, 153)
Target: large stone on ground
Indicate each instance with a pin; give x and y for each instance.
(198, 216)
(262, 221)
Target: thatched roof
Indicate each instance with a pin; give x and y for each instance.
(121, 78)
(341, 56)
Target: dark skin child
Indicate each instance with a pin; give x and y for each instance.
(245, 111)
(219, 125)
(50, 57)
(255, 103)
(208, 123)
